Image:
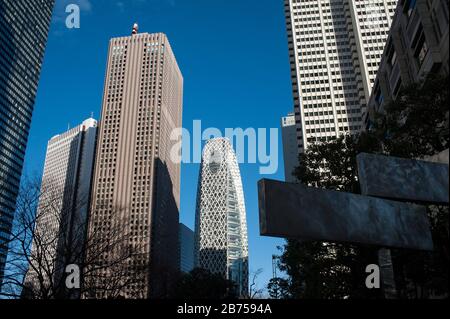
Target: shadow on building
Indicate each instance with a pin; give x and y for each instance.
(164, 254)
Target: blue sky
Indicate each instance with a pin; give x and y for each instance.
(234, 58)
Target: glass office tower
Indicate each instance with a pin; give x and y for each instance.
(24, 26)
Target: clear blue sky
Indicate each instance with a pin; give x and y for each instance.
(234, 58)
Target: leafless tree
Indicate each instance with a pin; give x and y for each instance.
(51, 231)
(254, 291)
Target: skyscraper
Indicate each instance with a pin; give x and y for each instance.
(290, 152)
(335, 47)
(61, 220)
(135, 178)
(220, 222)
(24, 27)
(186, 237)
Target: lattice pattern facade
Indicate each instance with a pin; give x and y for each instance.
(221, 227)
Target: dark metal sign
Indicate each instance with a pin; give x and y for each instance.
(403, 179)
(297, 211)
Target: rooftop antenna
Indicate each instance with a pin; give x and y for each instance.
(92, 115)
(135, 29)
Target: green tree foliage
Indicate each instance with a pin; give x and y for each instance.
(201, 284)
(413, 126)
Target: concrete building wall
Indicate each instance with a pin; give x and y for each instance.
(417, 46)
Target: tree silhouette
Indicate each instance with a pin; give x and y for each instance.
(48, 236)
(202, 284)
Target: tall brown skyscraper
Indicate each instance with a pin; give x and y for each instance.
(136, 184)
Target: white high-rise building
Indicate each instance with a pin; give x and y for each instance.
(61, 219)
(335, 48)
(221, 228)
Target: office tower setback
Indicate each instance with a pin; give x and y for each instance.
(335, 47)
(136, 184)
(186, 238)
(417, 46)
(220, 226)
(24, 29)
(290, 153)
(61, 219)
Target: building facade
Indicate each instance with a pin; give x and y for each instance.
(290, 150)
(135, 177)
(24, 27)
(335, 47)
(417, 46)
(186, 238)
(221, 228)
(61, 219)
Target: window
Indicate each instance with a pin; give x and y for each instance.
(379, 98)
(421, 50)
(397, 87)
(419, 45)
(409, 7)
(391, 54)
